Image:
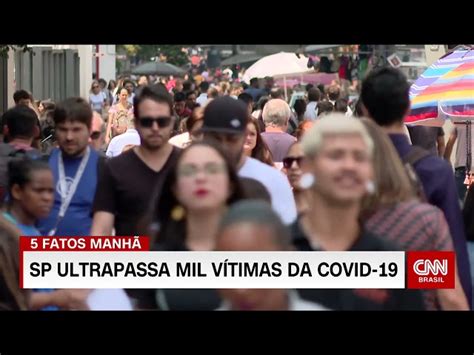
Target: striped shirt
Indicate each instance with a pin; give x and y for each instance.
(413, 226)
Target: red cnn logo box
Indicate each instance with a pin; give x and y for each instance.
(431, 269)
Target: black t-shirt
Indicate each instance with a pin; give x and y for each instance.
(358, 299)
(184, 299)
(126, 188)
(175, 299)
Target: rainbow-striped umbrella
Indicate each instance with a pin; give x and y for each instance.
(444, 91)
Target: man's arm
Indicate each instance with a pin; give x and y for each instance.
(105, 203)
(102, 223)
(441, 145)
(446, 198)
(450, 144)
(66, 299)
(453, 299)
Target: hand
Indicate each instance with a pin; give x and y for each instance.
(75, 299)
(66, 299)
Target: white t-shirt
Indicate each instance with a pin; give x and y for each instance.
(277, 185)
(119, 142)
(97, 101)
(180, 140)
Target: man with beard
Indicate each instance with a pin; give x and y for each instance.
(128, 182)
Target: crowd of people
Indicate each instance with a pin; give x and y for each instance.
(204, 165)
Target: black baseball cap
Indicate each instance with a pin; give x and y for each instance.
(225, 115)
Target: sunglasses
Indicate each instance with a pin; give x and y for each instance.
(95, 87)
(162, 122)
(288, 161)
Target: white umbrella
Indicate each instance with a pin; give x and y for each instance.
(277, 65)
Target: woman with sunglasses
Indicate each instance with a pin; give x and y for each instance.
(292, 169)
(120, 116)
(97, 97)
(196, 194)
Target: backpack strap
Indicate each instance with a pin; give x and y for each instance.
(416, 154)
(409, 161)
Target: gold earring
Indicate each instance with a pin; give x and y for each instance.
(177, 213)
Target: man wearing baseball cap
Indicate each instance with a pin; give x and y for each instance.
(225, 120)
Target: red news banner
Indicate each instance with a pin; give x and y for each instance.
(86, 262)
(75, 244)
(58, 243)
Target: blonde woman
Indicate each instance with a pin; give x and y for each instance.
(394, 212)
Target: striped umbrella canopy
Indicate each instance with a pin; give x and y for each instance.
(444, 91)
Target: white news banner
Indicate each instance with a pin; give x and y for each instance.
(185, 270)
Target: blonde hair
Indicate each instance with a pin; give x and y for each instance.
(334, 124)
(225, 87)
(276, 111)
(391, 179)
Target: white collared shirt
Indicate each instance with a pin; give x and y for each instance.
(201, 100)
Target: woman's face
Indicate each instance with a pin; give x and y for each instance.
(202, 180)
(41, 107)
(123, 96)
(95, 88)
(37, 196)
(251, 140)
(291, 164)
(342, 168)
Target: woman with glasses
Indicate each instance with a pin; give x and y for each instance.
(120, 116)
(97, 97)
(196, 194)
(292, 169)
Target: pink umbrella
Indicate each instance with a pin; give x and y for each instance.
(279, 65)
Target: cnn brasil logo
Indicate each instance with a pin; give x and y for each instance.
(431, 269)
